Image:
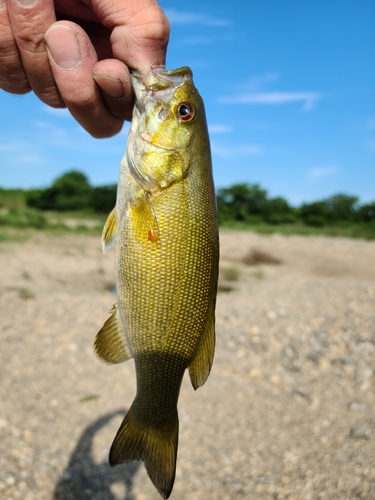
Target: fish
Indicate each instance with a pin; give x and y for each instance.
(166, 263)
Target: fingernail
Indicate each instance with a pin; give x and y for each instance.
(112, 87)
(63, 47)
(26, 2)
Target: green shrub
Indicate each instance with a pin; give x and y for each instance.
(103, 198)
(71, 191)
(315, 220)
(26, 217)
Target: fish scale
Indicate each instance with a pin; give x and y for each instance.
(165, 227)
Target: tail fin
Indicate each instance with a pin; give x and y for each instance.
(156, 447)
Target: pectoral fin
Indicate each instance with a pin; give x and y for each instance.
(110, 343)
(109, 230)
(144, 219)
(200, 367)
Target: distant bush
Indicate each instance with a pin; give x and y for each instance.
(26, 217)
(12, 198)
(314, 214)
(366, 213)
(342, 208)
(277, 211)
(249, 203)
(103, 198)
(339, 209)
(69, 192)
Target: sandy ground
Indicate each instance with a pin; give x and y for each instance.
(287, 413)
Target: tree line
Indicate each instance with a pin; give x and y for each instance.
(250, 203)
(246, 203)
(72, 192)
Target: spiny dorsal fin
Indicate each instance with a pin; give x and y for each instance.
(110, 343)
(109, 230)
(200, 367)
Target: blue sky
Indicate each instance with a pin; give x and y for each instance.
(289, 89)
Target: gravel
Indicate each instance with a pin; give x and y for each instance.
(287, 413)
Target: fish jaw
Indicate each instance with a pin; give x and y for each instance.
(159, 142)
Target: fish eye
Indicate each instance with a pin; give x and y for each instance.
(186, 112)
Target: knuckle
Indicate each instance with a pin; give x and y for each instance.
(52, 98)
(30, 41)
(13, 78)
(14, 87)
(90, 111)
(81, 97)
(157, 27)
(159, 30)
(119, 107)
(102, 131)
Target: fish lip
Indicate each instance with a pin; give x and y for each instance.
(159, 78)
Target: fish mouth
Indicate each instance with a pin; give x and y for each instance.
(161, 79)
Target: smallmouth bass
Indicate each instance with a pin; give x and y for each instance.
(167, 253)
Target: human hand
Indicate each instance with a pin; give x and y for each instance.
(82, 61)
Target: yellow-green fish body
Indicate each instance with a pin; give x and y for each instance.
(167, 252)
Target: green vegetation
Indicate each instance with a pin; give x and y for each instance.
(25, 293)
(72, 204)
(247, 206)
(89, 397)
(71, 192)
(229, 273)
(22, 217)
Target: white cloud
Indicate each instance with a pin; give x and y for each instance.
(183, 17)
(252, 93)
(217, 128)
(309, 99)
(199, 40)
(30, 158)
(10, 147)
(235, 150)
(321, 172)
(258, 81)
(60, 112)
(21, 153)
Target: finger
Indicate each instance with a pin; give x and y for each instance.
(140, 32)
(113, 78)
(72, 58)
(29, 21)
(12, 75)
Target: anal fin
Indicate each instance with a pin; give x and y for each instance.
(110, 343)
(200, 367)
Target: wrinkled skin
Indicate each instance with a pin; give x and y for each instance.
(77, 54)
